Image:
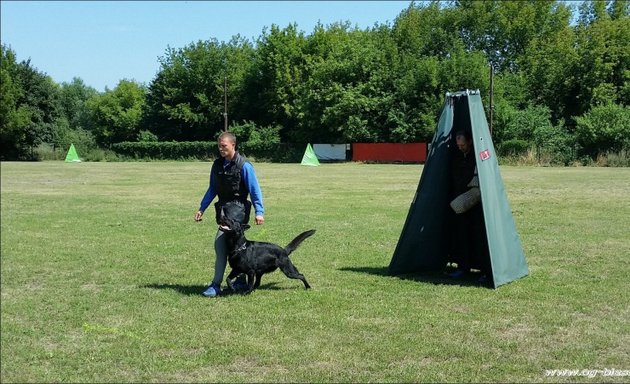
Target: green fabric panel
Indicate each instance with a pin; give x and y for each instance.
(423, 242)
(506, 252)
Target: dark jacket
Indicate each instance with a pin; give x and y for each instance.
(462, 171)
(231, 189)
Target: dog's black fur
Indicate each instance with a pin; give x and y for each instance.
(255, 258)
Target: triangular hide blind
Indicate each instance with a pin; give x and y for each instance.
(425, 243)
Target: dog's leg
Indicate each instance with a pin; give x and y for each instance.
(250, 282)
(291, 272)
(230, 279)
(258, 278)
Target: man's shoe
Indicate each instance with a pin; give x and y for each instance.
(456, 274)
(212, 291)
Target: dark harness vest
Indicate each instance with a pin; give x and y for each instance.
(231, 188)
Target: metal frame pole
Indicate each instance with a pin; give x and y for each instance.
(491, 95)
(225, 114)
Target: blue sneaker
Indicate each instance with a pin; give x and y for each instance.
(213, 290)
(457, 274)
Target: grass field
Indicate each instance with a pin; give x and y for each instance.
(103, 265)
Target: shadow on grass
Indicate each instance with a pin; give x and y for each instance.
(433, 277)
(196, 290)
(187, 290)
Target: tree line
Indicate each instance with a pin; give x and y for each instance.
(561, 85)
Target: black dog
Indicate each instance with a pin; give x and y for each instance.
(255, 258)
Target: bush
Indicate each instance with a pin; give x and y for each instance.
(263, 143)
(100, 155)
(166, 150)
(604, 128)
(277, 153)
(614, 159)
(554, 144)
(47, 152)
(257, 138)
(204, 150)
(513, 147)
(521, 134)
(147, 137)
(514, 124)
(83, 141)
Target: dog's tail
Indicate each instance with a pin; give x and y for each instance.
(298, 240)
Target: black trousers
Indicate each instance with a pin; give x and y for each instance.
(469, 243)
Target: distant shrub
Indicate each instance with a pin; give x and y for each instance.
(263, 143)
(604, 128)
(47, 152)
(101, 155)
(257, 138)
(513, 124)
(614, 159)
(206, 150)
(166, 150)
(513, 147)
(555, 145)
(147, 137)
(83, 142)
(277, 153)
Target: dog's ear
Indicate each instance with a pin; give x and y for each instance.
(246, 227)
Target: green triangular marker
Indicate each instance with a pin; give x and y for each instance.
(72, 156)
(309, 157)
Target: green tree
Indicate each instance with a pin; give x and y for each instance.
(31, 111)
(422, 40)
(619, 9)
(435, 56)
(14, 117)
(239, 56)
(278, 77)
(603, 51)
(426, 30)
(42, 97)
(503, 30)
(551, 73)
(186, 99)
(74, 96)
(339, 100)
(73, 126)
(116, 115)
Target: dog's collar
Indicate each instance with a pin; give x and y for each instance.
(241, 248)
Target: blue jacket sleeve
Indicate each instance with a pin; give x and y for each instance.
(249, 176)
(210, 194)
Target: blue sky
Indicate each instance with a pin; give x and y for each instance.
(103, 42)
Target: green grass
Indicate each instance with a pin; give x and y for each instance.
(102, 266)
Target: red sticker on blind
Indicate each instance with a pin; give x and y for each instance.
(484, 155)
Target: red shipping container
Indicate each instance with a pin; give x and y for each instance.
(390, 152)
